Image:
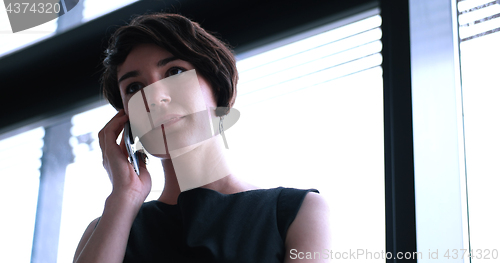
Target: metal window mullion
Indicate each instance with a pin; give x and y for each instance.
(399, 166)
(57, 155)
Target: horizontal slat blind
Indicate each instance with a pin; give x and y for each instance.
(321, 58)
(478, 18)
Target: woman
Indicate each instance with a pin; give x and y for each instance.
(220, 220)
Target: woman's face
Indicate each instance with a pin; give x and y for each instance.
(176, 113)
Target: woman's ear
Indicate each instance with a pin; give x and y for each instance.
(231, 116)
(221, 111)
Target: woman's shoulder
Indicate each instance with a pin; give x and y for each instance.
(310, 229)
(285, 194)
(245, 187)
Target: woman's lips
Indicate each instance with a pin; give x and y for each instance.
(168, 120)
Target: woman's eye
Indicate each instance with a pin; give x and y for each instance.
(174, 71)
(133, 88)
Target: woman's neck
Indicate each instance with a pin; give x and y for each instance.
(203, 165)
(171, 189)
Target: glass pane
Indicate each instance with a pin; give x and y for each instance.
(479, 55)
(481, 94)
(20, 177)
(312, 117)
(86, 185)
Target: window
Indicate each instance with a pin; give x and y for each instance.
(86, 185)
(311, 117)
(19, 173)
(454, 58)
(479, 30)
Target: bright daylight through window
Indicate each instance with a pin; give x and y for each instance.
(479, 30)
(311, 116)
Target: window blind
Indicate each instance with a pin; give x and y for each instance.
(478, 18)
(479, 32)
(312, 61)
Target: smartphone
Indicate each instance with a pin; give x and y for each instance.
(129, 144)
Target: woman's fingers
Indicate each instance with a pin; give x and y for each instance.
(113, 129)
(125, 181)
(104, 130)
(107, 141)
(110, 132)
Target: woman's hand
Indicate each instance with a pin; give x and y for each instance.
(106, 241)
(127, 185)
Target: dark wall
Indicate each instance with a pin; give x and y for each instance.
(61, 74)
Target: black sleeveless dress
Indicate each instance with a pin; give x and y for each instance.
(207, 226)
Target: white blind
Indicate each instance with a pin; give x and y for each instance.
(478, 18)
(479, 32)
(312, 61)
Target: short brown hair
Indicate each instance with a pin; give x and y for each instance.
(186, 40)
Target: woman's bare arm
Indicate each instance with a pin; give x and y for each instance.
(108, 241)
(309, 232)
(83, 241)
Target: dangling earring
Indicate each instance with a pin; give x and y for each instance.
(221, 131)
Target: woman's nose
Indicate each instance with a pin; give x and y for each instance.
(158, 102)
(157, 96)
